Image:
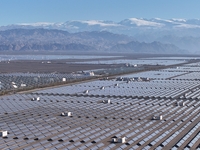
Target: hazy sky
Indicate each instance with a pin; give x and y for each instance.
(29, 11)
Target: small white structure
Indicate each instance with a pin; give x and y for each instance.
(14, 86)
(86, 92)
(89, 73)
(119, 140)
(114, 140)
(35, 98)
(62, 114)
(180, 103)
(3, 133)
(157, 117)
(102, 88)
(23, 85)
(106, 101)
(64, 79)
(139, 79)
(122, 140)
(66, 114)
(116, 84)
(69, 114)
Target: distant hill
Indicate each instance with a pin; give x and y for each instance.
(186, 42)
(45, 39)
(142, 47)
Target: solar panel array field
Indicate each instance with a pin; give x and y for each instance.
(153, 88)
(39, 125)
(14, 81)
(162, 112)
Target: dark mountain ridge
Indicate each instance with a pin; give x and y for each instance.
(46, 39)
(142, 47)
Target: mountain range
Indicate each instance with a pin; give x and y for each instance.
(45, 39)
(126, 24)
(100, 34)
(53, 39)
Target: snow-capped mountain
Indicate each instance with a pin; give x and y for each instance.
(183, 33)
(71, 26)
(155, 22)
(131, 26)
(135, 22)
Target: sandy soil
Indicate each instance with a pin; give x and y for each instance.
(64, 66)
(38, 67)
